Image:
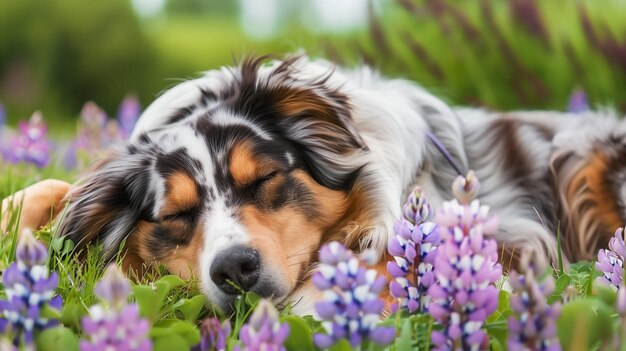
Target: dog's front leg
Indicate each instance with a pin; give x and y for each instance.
(41, 204)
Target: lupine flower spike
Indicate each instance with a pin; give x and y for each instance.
(3, 117)
(31, 144)
(578, 102)
(413, 248)
(351, 307)
(466, 269)
(29, 287)
(416, 209)
(611, 261)
(263, 331)
(127, 115)
(533, 323)
(113, 324)
(214, 335)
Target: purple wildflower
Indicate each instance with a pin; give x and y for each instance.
(29, 287)
(611, 261)
(533, 323)
(128, 114)
(351, 307)
(263, 331)
(92, 133)
(214, 335)
(95, 133)
(416, 209)
(113, 288)
(414, 249)
(114, 324)
(578, 102)
(465, 269)
(31, 144)
(3, 117)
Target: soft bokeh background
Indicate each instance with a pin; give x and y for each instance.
(518, 54)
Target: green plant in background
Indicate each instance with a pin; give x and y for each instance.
(518, 54)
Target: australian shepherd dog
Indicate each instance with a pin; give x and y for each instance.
(241, 175)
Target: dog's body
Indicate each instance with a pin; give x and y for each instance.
(242, 174)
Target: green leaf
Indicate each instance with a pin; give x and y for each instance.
(605, 294)
(147, 300)
(313, 324)
(57, 338)
(169, 343)
(300, 335)
(562, 283)
(184, 329)
(187, 330)
(405, 341)
(191, 308)
(71, 314)
(252, 299)
(150, 298)
(583, 323)
(496, 345)
(173, 281)
(50, 313)
(559, 287)
(342, 345)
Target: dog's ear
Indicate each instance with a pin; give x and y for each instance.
(305, 109)
(319, 122)
(105, 205)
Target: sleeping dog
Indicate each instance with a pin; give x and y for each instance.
(239, 176)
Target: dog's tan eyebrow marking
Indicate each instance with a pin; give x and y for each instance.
(181, 194)
(244, 167)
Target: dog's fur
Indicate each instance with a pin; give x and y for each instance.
(285, 155)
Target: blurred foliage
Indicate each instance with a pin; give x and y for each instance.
(517, 54)
(195, 7)
(58, 54)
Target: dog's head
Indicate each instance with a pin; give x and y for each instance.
(236, 178)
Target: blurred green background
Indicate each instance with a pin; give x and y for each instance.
(517, 54)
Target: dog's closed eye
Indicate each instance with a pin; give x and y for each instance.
(259, 182)
(187, 215)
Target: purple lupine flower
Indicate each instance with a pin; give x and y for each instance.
(214, 335)
(351, 306)
(91, 132)
(113, 288)
(466, 269)
(30, 144)
(3, 117)
(128, 114)
(414, 250)
(611, 261)
(113, 324)
(416, 209)
(95, 133)
(263, 331)
(533, 323)
(578, 102)
(29, 287)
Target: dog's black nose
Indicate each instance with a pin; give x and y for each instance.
(239, 266)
